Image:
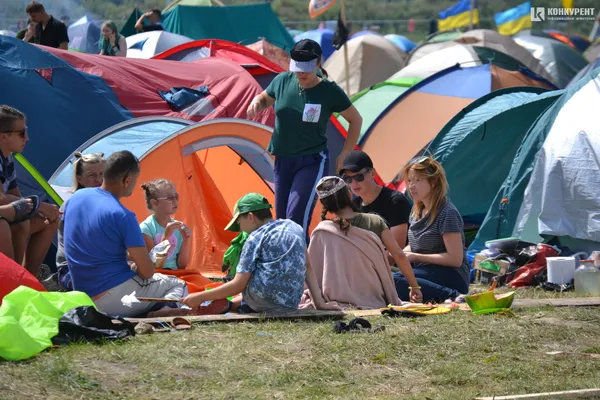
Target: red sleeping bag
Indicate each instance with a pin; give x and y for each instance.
(12, 275)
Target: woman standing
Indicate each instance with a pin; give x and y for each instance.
(111, 43)
(436, 241)
(304, 102)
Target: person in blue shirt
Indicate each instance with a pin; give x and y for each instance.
(99, 233)
(273, 266)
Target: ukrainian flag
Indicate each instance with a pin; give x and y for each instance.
(514, 20)
(457, 16)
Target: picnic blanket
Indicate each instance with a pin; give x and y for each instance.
(352, 269)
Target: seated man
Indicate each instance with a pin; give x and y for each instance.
(99, 232)
(153, 17)
(273, 265)
(392, 206)
(29, 239)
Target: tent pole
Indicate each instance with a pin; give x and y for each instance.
(595, 29)
(471, 15)
(346, 61)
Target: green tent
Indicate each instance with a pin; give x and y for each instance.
(244, 24)
(481, 142)
(518, 202)
(193, 3)
(129, 27)
(372, 101)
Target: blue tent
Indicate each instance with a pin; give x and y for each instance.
(52, 90)
(322, 36)
(402, 42)
(84, 35)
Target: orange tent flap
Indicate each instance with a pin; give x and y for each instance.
(407, 127)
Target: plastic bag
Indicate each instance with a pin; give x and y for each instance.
(86, 324)
(29, 320)
(159, 253)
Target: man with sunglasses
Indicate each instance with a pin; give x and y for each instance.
(30, 239)
(359, 174)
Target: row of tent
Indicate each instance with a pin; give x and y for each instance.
(80, 95)
(373, 59)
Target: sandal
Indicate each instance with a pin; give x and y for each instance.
(357, 325)
(181, 324)
(22, 212)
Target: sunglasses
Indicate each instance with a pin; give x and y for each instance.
(358, 177)
(21, 133)
(171, 197)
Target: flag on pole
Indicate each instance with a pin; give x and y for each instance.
(318, 7)
(568, 3)
(458, 16)
(514, 20)
(340, 37)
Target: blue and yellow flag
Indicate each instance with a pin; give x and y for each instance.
(514, 20)
(458, 16)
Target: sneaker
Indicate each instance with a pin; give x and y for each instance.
(49, 279)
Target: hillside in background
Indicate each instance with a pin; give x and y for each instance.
(387, 15)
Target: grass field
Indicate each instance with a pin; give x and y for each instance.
(455, 356)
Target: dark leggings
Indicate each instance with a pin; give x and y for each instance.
(437, 283)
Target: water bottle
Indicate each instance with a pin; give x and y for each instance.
(587, 279)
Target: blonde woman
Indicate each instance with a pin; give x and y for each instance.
(111, 43)
(436, 241)
(87, 173)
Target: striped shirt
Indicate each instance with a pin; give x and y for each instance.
(424, 239)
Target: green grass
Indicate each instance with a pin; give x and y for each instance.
(454, 356)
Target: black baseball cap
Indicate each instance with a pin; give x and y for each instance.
(304, 56)
(356, 161)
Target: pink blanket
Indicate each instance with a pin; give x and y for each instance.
(352, 269)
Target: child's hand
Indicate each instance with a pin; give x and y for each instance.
(193, 300)
(186, 232)
(171, 228)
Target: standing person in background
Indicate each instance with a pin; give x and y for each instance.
(28, 34)
(111, 43)
(49, 31)
(304, 102)
(153, 16)
(359, 174)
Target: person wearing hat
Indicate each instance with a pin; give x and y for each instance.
(304, 102)
(273, 266)
(359, 174)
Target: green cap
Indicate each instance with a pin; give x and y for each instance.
(248, 203)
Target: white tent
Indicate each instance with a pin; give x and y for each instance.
(438, 61)
(8, 33)
(563, 195)
(149, 44)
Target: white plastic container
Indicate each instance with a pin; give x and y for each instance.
(561, 270)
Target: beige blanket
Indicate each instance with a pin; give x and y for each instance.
(352, 269)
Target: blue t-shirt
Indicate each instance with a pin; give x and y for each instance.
(276, 257)
(98, 231)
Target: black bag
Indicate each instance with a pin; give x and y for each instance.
(86, 324)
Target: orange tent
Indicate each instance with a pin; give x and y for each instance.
(416, 117)
(212, 164)
(271, 52)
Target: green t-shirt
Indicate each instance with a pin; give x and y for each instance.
(302, 115)
(369, 222)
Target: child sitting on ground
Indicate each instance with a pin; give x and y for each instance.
(273, 265)
(162, 199)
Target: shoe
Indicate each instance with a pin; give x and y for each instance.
(49, 279)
